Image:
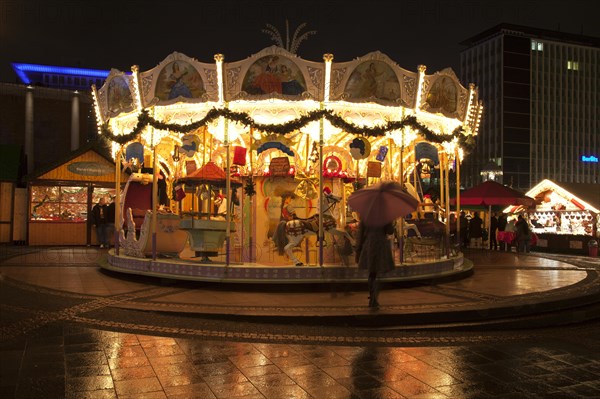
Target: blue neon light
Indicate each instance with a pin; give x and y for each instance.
(591, 158)
(21, 70)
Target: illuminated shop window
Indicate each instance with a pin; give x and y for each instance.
(59, 203)
(64, 203)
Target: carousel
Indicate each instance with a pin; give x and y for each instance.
(241, 171)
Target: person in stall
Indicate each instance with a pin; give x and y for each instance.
(98, 219)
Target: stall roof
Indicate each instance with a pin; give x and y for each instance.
(89, 163)
(589, 193)
(582, 195)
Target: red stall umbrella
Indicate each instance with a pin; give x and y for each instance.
(491, 193)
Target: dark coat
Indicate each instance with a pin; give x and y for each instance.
(502, 222)
(110, 213)
(373, 249)
(475, 227)
(99, 215)
(464, 223)
(523, 231)
(493, 224)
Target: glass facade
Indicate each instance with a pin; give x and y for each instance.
(541, 100)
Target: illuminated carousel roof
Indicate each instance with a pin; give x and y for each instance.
(275, 73)
(275, 92)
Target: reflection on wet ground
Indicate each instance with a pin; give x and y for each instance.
(70, 331)
(69, 361)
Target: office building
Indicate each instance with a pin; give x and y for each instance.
(541, 96)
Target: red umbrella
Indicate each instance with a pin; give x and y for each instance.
(493, 193)
(382, 203)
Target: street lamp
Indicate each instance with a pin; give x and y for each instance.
(491, 171)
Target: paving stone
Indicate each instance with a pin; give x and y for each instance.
(82, 346)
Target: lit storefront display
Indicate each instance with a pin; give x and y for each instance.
(60, 199)
(566, 216)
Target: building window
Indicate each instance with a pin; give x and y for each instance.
(573, 65)
(537, 46)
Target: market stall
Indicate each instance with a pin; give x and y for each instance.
(62, 196)
(566, 217)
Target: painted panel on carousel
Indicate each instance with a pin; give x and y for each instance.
(373, 77)
(115, 96)
(443, 94)
(273, 72)
(179, 78)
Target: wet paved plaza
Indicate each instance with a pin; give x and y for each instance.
(70, 331)
(70, 361)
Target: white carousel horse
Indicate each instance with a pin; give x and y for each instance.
(413, 227)
(291, 233)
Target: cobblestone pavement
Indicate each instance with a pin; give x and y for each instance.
(79, 343)
(65, 360)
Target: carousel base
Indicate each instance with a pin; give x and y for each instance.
(252, 273)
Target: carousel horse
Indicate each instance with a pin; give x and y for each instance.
(291, 233)
(432, 237)
(430, 227)
(411, 226)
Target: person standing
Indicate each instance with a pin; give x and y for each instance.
(493, 229)
(99, 219)
(374, 253)
(464, 226)
(523, 234)
(502, 222)
(510, 228)
(109, 226)
(476, 231)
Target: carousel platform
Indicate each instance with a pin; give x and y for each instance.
(188, 268)
(504, 289)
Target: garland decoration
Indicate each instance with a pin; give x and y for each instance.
(144, 119)
(250, 188)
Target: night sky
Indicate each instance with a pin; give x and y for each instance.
(118, 34)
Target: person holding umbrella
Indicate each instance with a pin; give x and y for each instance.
(374, 253)
(378, 206)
